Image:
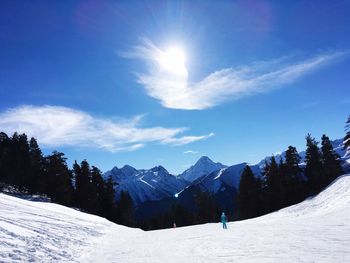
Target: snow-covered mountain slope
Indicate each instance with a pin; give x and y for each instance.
(45, 232)
(145, 185)
(222, 184)
(229, 176)
(203, 166)
(316, 230)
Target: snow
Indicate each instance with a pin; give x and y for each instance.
(316, 230)
(45, 232)
(145, 184)
(202, 167)
(141, 179)
(156, 183)
(229, 176)
(220, 173)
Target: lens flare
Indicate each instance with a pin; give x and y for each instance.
(173, 60)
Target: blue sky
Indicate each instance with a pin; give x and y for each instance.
(94, 80)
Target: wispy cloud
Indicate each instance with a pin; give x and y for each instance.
(186, 139)
(62, 126)
(191, 152)
(177, 92)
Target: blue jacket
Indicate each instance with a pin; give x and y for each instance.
(223, 219)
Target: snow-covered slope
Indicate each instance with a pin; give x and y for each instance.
(45, 232)
(145, 185)
(316, 230)
(156, 183)
(203, 166)
(228, 176)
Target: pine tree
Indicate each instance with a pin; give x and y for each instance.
(4, 157)
(282, 180)
(314, 169)
(291, 173)
(36, 178)
(59, 185)
(81, 175)
(249, 195)
(347, 137)
(77, 178)
(97, 190)
(331, 161)
(19, 160)
(207, 209)
(264, 188)
(107, 200)
(22, 164)
(273, 190)
(126, 210)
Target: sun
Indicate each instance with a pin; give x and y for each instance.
(173, 60)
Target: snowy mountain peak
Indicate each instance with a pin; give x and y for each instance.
(120, 173)
(204, 160)
(202, 167)
(145, 184)
(128, 170)
(159, 169)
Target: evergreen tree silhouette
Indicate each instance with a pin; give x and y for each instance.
(85, 191)
(292, 177)
(126, 210)
(19, 160)
(249, 195)
(59, 185)
(273, 188)
(97, 190)
(4, 157)
(107, 200)
(347, 136)
(331, 161)
(36, 180)
(314, 168)
(207, 209)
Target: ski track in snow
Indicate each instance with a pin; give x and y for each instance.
(316, 230)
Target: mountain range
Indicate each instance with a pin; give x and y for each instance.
(152, 185)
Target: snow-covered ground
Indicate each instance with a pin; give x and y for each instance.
(316, 230)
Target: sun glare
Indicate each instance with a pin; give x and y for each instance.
(173, 60)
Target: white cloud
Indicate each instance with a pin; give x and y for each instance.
(177, 92)
(186, 139)
(61, 126)
(190, 152)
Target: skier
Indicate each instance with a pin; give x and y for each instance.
(223, 220)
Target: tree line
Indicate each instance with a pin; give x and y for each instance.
(23, 165)
(206, 210)
(288, 182)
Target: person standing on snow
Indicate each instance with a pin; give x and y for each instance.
(223, 220)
